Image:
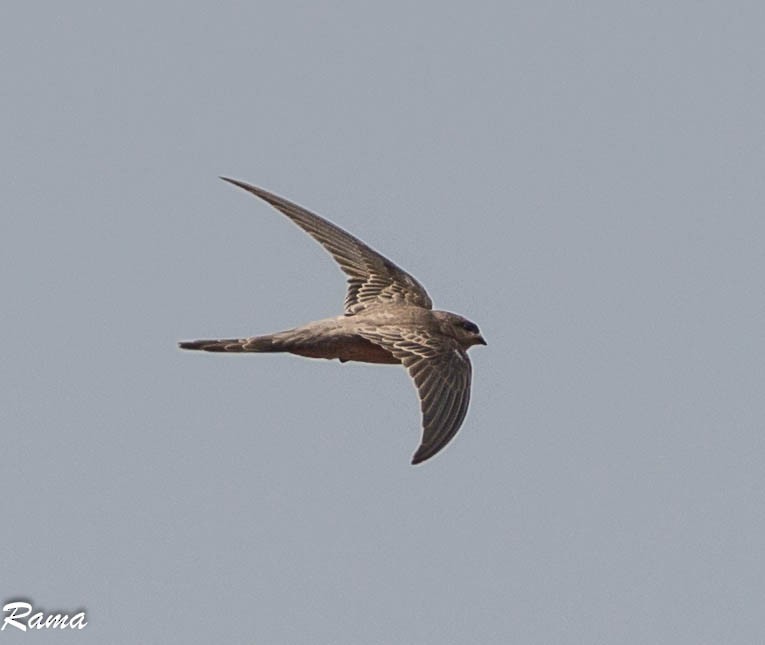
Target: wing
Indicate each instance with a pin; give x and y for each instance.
(372, 278)
(441, 372)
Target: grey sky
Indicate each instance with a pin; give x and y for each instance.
(584, 181)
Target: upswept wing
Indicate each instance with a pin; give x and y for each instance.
(441, 372)
(372, 278)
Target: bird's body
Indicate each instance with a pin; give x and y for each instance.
(388, 319)
(344, 337)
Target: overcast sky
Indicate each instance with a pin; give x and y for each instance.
(583, 180)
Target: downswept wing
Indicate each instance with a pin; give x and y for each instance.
(441, 371)
(372, 278)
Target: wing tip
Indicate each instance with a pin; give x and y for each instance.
(236, 182)
(271, 198)
(423, 454)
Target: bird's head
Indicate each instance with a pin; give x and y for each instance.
(465, 331)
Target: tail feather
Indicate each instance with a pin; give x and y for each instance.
(255, 344)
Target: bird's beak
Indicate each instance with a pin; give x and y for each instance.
(481, 341)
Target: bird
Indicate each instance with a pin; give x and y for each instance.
(388, 318)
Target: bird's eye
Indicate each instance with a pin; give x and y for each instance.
(471, 327)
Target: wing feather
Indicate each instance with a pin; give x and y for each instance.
(441, 372)
(372, 278)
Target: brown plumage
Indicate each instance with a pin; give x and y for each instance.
(388, 319)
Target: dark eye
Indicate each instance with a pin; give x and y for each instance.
(471, 327)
